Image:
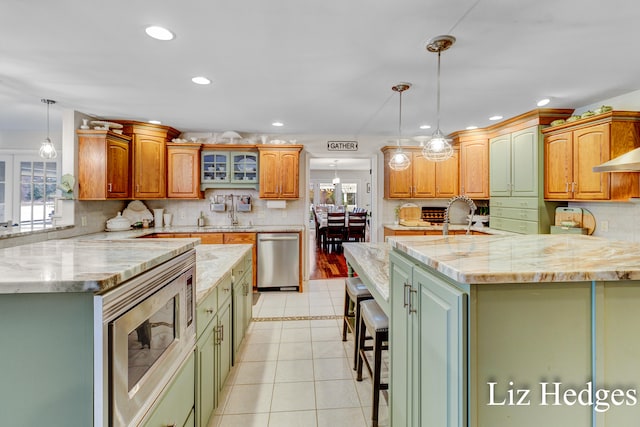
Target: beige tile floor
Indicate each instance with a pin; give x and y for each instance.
(297, 372)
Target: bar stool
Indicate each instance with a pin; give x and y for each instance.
(376, 323)
(354, 292)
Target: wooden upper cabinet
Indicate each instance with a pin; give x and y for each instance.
(103, 165)
(149, 164)
(423, 179)
(573, 149)
(474, 162)
(279, 169)
(183, 171)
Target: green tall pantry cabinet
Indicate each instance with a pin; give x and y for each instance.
(516, 187)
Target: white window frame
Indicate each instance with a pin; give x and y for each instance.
(12, 161)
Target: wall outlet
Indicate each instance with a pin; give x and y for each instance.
(83, 221)
(604, 226)
(181, 213)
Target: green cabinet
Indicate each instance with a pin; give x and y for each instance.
(225, 169)
(516, 187)
(242, 274)
(514, 160)
(213, 348)
(175, 407)
(428, 348)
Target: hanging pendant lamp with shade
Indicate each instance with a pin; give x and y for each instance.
(47, 149)
(399, 159)
(438, 148)
(336, 178)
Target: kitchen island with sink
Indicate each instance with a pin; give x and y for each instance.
(514, 331)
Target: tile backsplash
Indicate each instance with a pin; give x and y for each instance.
(615, 220)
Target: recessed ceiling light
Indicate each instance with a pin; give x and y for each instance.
(472, 127)
(200, 80)
(494, 118)
(159, 33)
(277, 124)
(425, 127)
(155, 122)
(543, 102)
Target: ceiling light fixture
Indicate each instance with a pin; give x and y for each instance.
(277, 124)
(425, 127)
(439, 148)
(155, 122)
(400, 160)
(47, 150)
(494, 118)
(543, 102)
(336, 178)
(201, 80)
(159, 33)
(472, 127)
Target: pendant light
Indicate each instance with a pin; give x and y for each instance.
(400, 160)
(47, 150)
(336, 178)
(438, 148)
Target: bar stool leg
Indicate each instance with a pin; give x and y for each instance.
(347, 303)
(356, 336)
(361, 340)
(377, 368)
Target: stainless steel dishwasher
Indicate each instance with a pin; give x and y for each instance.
(278, 261)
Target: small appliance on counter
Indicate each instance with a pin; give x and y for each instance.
(410, 215)
(573, 221)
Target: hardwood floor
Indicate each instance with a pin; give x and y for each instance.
(323, 265)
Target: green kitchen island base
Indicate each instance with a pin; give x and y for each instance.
(514, 331)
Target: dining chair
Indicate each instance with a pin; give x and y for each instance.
(335, 231)
(356, 226)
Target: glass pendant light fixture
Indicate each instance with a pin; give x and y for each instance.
(438, 148)
(47, 150)
(336, 178)
(400, 160)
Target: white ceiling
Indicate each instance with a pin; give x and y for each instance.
(321, 67)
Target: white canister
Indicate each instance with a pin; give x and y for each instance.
(167, 219)
(157, 217)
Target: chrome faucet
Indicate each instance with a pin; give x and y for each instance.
(472, 208)
(232, 211)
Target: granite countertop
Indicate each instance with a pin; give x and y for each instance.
(524, 258)
(140, 232)
(452, 227)
(213, 263)
(371, 262)
(82, 265)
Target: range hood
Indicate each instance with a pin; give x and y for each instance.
(628, 162)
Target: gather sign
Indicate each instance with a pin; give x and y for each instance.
(342, 145)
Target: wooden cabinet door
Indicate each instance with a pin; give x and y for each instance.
(591, 147)
(500, 161)
(474, 169)
(524, 163)
(423, 176)
(289, 174)
(183, 172)
(446, 173)
(118, 185)
(397, 184)
(558, 166)
(148, 167)
(269, 174)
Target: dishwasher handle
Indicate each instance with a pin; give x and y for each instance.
(272, 239)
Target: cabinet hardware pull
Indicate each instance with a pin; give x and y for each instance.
(109, 187)
(221, 333)
(566, 186)
(406, 285)
(209, 311)
(411, 309)
(573, 186)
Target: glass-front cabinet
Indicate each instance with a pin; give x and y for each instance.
(229, 169)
